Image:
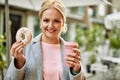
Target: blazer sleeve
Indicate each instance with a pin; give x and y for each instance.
(13, 73)
(79, 76)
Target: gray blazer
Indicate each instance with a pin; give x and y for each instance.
(32, 70)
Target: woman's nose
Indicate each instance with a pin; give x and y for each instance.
(50, 24)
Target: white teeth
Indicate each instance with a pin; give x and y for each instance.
(51, 31)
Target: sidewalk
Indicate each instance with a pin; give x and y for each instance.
(104, 76)
(97, 76)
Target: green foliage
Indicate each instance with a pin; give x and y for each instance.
(114, 37)
(92, 59)
(90, 37)
(115, 42)
(2, 52)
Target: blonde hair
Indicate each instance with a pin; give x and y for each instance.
(57, 5)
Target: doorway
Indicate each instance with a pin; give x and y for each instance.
(16, 22)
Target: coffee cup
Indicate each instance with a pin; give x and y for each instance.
(68, 48)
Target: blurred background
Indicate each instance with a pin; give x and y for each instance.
(94, 24)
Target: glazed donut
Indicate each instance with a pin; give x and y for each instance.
(24, 35)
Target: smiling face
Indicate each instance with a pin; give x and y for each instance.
(51, 23)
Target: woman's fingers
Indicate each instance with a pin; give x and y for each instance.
(76, 51)
(73, 56)
(73, 59)
(16, 48)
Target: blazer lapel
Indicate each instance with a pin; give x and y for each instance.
(64, 68)
(38, 57)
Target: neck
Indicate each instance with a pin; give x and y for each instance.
(55, 40)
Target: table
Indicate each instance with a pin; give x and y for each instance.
(111, 59)
(114, 67)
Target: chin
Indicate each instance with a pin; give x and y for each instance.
(52, 36)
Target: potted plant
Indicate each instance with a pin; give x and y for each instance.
(2, 56)
(114, 38)
(91, 60)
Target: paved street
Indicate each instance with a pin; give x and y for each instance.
(97, 76)
(111, 75)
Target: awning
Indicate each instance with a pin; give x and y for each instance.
(112, 21)
(35, 4)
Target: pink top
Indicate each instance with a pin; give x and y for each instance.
(52, 63)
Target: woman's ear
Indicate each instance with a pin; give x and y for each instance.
(64, 28)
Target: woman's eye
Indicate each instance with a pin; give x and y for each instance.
(57, 21)
(46, 20)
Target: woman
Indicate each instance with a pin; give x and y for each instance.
(43, 58)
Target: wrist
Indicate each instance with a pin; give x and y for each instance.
(76, 69)
(74, 72)
(19, 63)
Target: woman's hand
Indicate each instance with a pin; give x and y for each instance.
(17, 52)
(73, 59)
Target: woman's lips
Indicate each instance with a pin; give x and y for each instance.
(50, 30)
